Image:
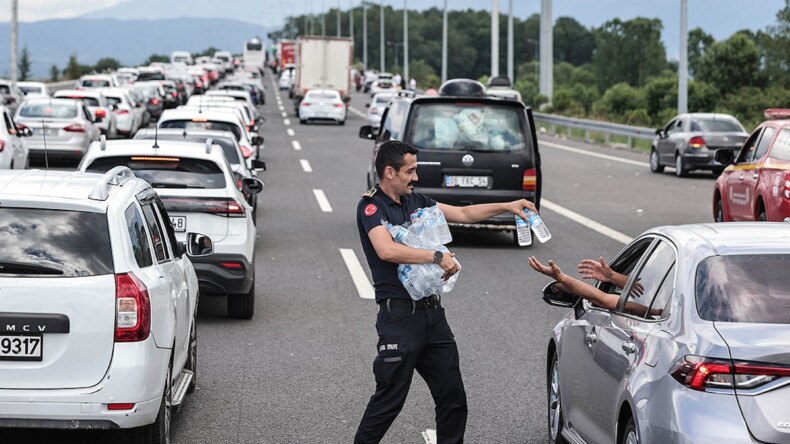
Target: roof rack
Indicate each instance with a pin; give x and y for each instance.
(209, 145)
(405, 93)
(103, 142)
(116, 176)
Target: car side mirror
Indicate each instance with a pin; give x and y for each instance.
(251, 185)
(24, 132)
(258, 164)
(257, 140)
(554, 295)
(367, 105)
(660, 133)
(198, 245)
(367, 132)
(724, 156)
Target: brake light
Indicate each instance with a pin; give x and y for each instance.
(101, 113)
(696, 142)
(305, 103)
(198, 85)
(246, 151)
(174, 94)
(120, 406)
(154, 101)
(121, 112)
(75, 128)
(338, 105)
(529, 180)
(777, 113)
(700, 373)
(220, 206)
(787, 184)
(132, 309)
(2, 145)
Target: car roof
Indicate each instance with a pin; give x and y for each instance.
(189, 132)
(192, 113)
(708, 116)
(144, 147)
(730, 238)
(79, 92)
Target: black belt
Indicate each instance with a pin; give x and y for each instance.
(431, 301)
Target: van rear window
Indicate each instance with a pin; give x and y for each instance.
(166, 172)
(472, 126)
(56, 243)
(744, 288)
(211, 125)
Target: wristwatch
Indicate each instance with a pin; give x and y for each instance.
(437, 257)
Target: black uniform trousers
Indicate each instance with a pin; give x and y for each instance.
(415, 338)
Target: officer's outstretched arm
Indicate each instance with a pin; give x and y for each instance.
(476, 213)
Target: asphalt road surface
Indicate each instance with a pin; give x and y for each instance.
(301, 370)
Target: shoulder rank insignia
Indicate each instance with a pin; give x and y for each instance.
(369, 193)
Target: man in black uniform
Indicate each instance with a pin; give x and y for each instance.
(412, 334)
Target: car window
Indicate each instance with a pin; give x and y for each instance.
(228, 147)
(764, 143)
(781, 148)
(112, 100)
(139, 236)
(49, 110)
(95, 83)
(670, 126)
(395, 119)
(89, 101)
(166, 172)
(753, 288)
(5, 90)
(158, 234)
(625, 264)
(482, 127)
(716, 126)
(8, 123)
(648, 283)
(57, 243)
(204, 124)
(747, 150)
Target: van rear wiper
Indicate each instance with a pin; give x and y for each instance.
(14, 267)
(174, 185)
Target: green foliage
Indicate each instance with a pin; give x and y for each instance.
(24, 65)
(699, 42)
(749, 103)
(54, 73)
(573, 43)
(628, 51)
(620, 99)
(732, 64)
(74, 70)
(107, 64)
(156, 58)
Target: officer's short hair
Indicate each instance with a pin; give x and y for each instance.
(391, 153)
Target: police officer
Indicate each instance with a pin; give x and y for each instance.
(412, 334)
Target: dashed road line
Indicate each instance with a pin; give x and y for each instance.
(297, 146)
(281, 108)
(287, 121)
(284, 114)
(290, 132)
(358, 275)
(323, 202)
(586, 222)
(306, 165)
(588, 153)
(429, 435)
(356, 111)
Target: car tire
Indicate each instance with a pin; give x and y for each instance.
(191, 363)
(680, 166)
(556, 420)
(761, 215)
(342, 122)
(630, 435)
(159, 431)
(718, 216)
(302, 121)
(655, 163)
(242, 306)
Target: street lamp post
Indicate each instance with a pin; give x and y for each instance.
(510, 42)
(14, 36)
(381, 33)
(494, 38)
(683, 63)
(365, 35)
(338, 18)
(406, 41)
(444, 43)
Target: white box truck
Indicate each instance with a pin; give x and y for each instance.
(323, 63)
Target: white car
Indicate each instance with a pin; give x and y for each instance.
(322, 104)
(33, 89)
(376, 107)
(93, 81)
(13, 149)
(99, 303)
(286, 79)
(215, 119)
(199, 191)
(97, 104)
(128, 114)
(59, 128)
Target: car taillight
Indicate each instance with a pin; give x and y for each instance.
(120, 406)
(305, 103)
(696, 142)
(101, 113)
(787, 183)
(338, 105)
(75, 128)
(220, 206)
(246, 151)
(238, 178)
(121, 112)
(529, 180)
(2, 145)
(154, 101)
(700, 373)
(174, 94)
(132, 309)
(198, 85)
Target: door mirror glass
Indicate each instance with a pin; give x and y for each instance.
(554, 294)
(256, 140)
(251, 185)
(199, 245)
(724, 156)
(367, 132)
(258, 164)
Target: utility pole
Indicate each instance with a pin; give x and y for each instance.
(546, 50)
(338, 18)
(381, 32)
(406, 41)
(683, 65)
(494, 38)
(14, 36)
(351, 21)
(323, 19)
(510, 42)
(365, 35)
(444, 43)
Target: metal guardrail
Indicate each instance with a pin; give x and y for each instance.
(57, 86)
(605, 128)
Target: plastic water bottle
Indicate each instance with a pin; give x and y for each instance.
(522, 232)
(441, 226)
(537, 225)
(401, 235)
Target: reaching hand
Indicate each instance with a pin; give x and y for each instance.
(552, 270)
(517, 207)
(598, 270)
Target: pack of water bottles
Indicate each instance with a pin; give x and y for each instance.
(426, 229)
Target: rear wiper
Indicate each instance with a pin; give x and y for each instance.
(14, 267)
(174, 185)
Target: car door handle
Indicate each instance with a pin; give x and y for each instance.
(755, 176)
(741, 177)
(629, 347)
(591, 337)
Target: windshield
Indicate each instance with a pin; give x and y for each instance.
(31, 89)
(475, 126)
(210, 125)
(715, 126)
(112, 100)
(166, 172)
(54, 242)
(46, 110)
(745, 288)
(88, 101)
(95, 83)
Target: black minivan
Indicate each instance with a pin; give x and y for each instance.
(473, 148)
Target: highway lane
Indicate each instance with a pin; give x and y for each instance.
(301, 369)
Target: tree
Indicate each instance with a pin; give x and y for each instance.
(107, 64)
(24, 65)
(156, 58)
(573, 43)
(628, 51)
(699, 42)
(75, 70)
(732, 64)
(775, 45)
(54, 73)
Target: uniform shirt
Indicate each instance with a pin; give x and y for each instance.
(371, 211)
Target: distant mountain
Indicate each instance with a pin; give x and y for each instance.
(129, 41)
(251, 11)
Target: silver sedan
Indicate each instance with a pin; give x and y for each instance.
(696, 349)
(63, 128)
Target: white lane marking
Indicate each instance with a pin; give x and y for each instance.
(290, 132)
(585, 221)
(323, 202)
(285, 114)
(287, 122)
(364, 288)
(429, 435)
(356, 111)
(306, 166)
(297, 146)
(587, 153)
(281, 108)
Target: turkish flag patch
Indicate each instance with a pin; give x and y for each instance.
(370, 210)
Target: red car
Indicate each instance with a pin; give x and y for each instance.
(756, 183)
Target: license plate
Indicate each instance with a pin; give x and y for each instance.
(21, 348)
(466, 181)
(179, 223)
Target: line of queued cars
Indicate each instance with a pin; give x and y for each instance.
(102, 268)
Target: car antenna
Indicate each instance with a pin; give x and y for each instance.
(156, 137)
(44, 134)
